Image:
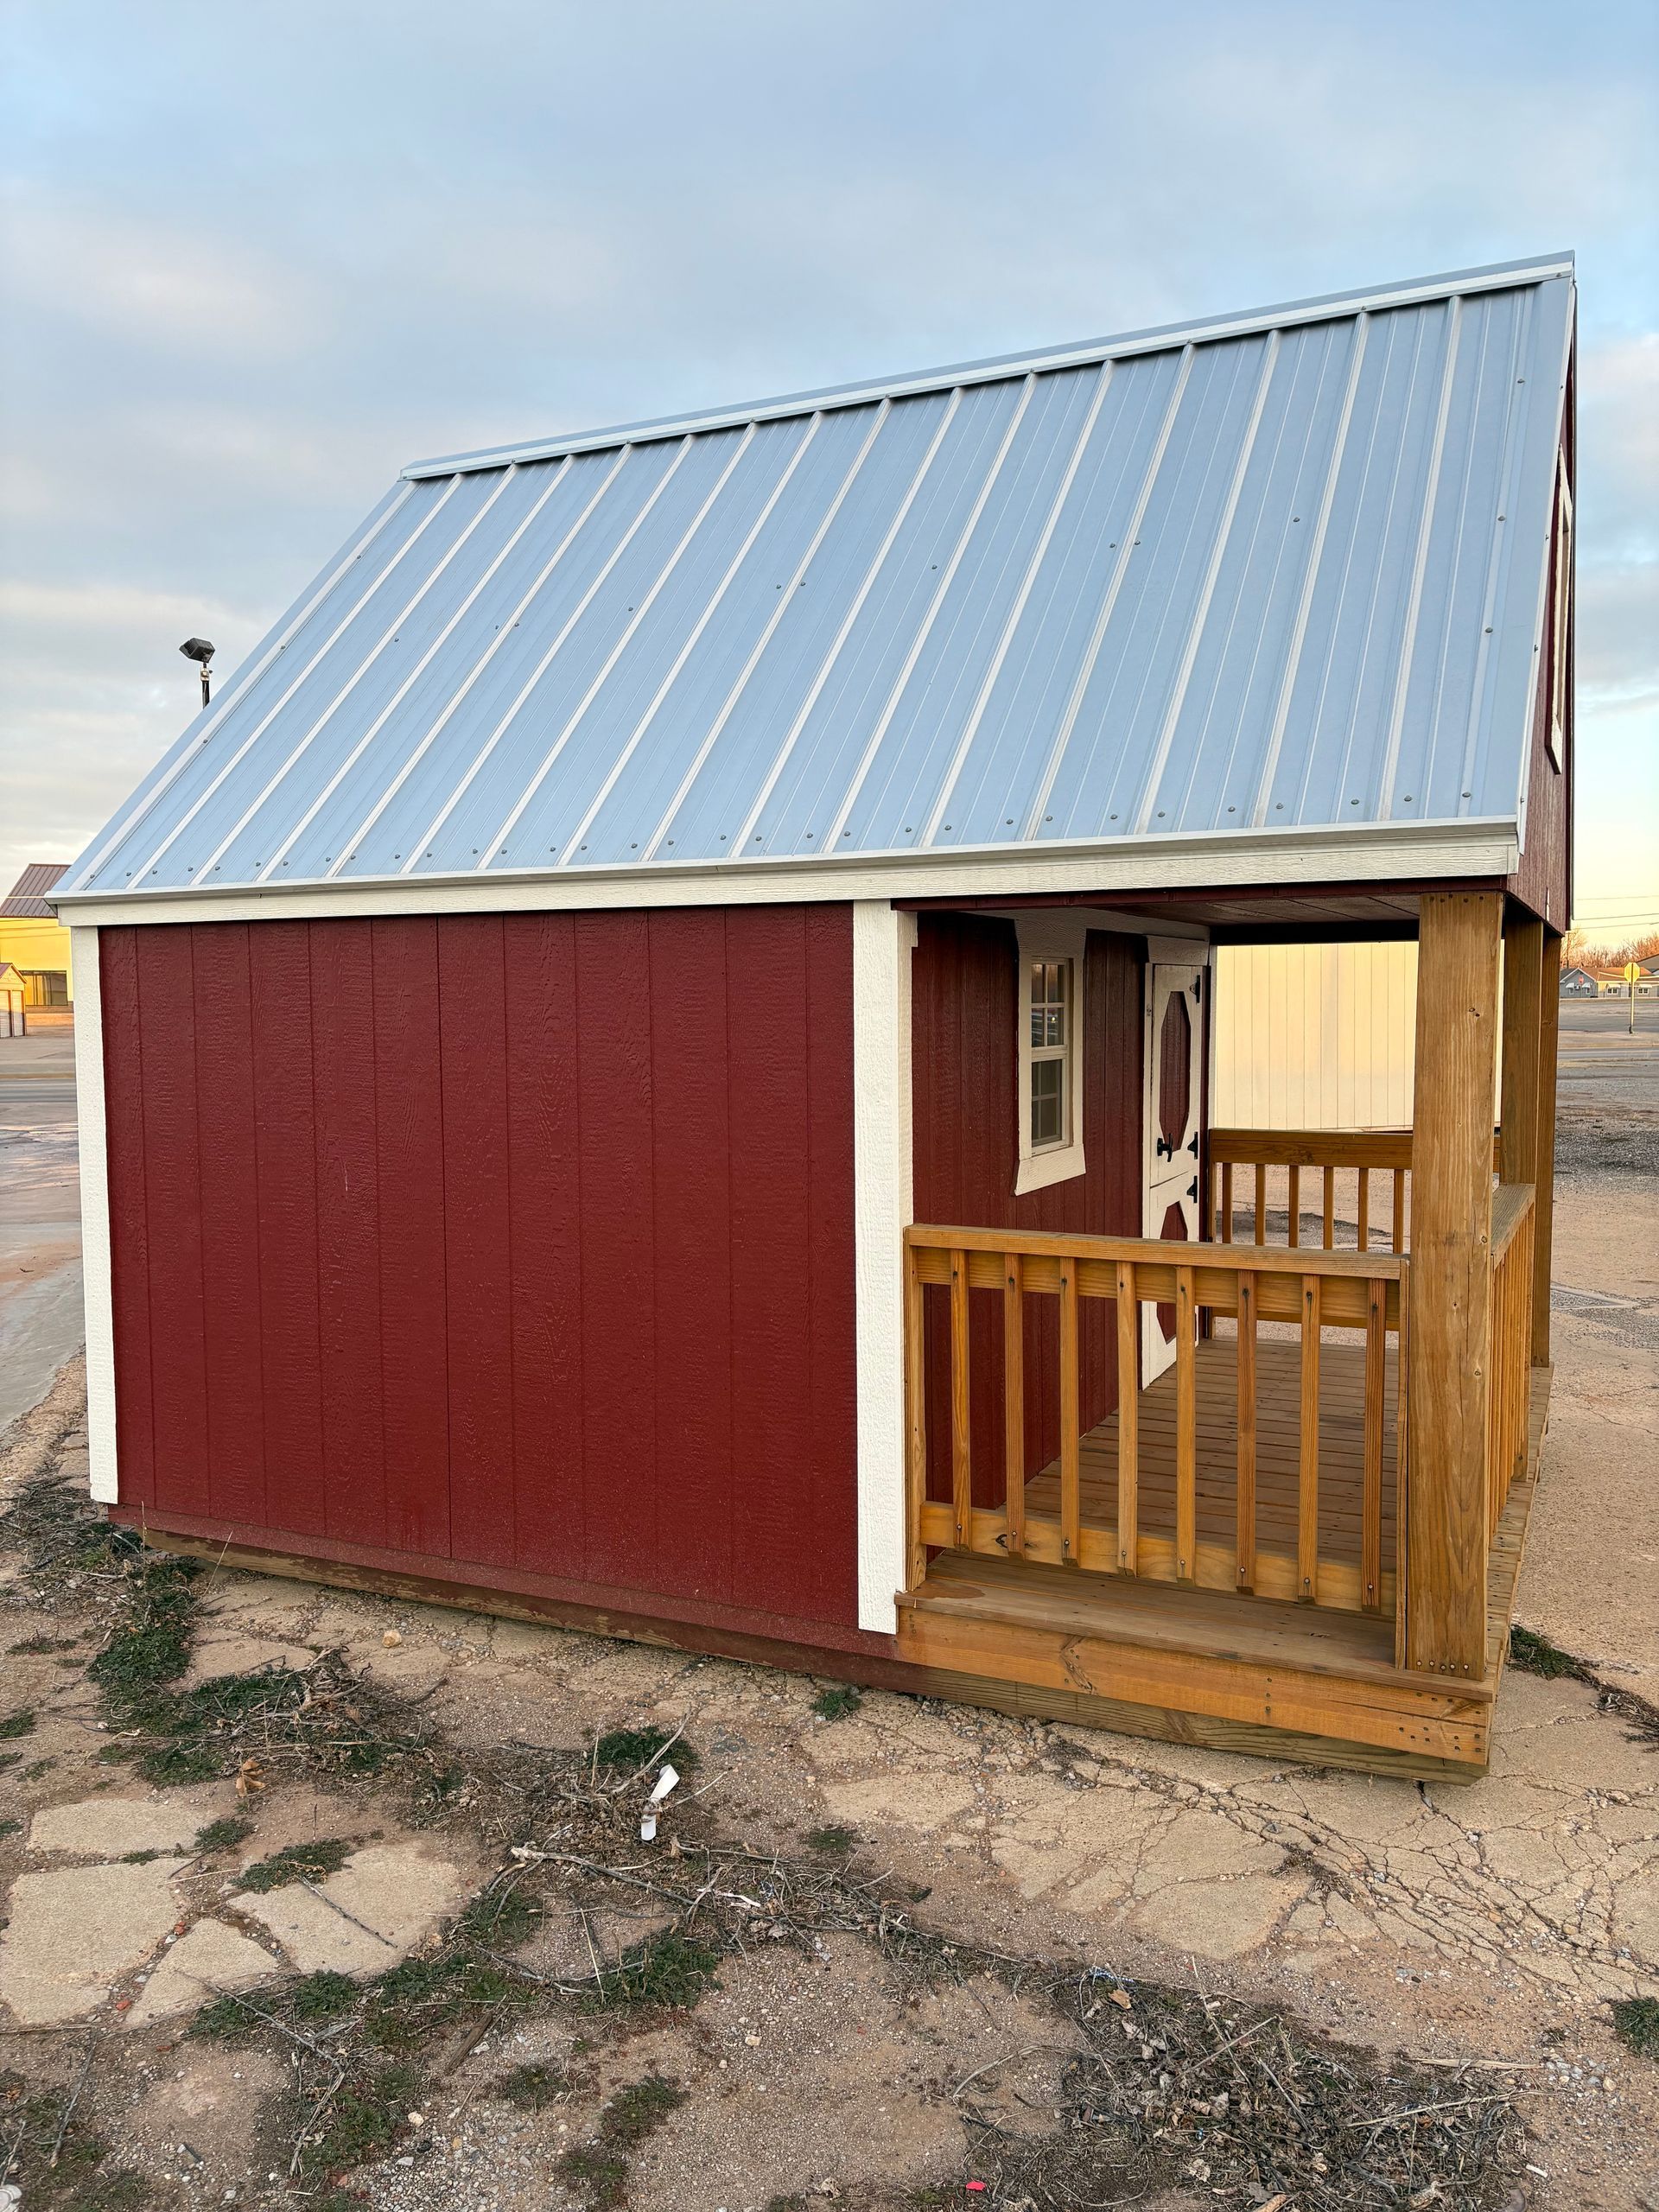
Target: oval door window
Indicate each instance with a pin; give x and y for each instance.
(1174, 1074)
(1173, 1231)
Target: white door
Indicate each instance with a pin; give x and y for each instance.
(1175, 1063)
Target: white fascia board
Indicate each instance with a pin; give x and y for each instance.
(1204, 864)
(1500, 276)
(94, 1216)
(883, 1207)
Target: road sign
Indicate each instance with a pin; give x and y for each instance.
(1632, 972)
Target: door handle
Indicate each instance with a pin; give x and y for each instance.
(1193, 1188)
(1165, 1149)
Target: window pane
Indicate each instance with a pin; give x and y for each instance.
(1047, 1102)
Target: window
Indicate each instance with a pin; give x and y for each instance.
(1560, 616)
(1050, 1051)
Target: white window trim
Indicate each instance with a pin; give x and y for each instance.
(1050, 937)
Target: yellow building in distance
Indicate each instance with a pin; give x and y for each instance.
(33, 940)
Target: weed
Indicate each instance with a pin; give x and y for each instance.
(668, 1969)
(530, 2088)
(223, 2019)
(1635, 2022)
(363, 2120)
(10, 1759)
(224, 1835)
(36, 1768)
(835, 1840)
(1536, 1654)
(500, 1918)
(21, 1723)
(600, 2169)
(634, 1749)
(138, 1858)
(322, 1996)
(839, 1702)
(297, 1862)
(9, 1827)
(36, 1646)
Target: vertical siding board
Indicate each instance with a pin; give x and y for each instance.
(772, 1439)
(545, 1257)
(348, 1244)
(478, 1206)
(832, 1349)
(173, 1197)
(618, 1314)
(690, 1177)
(123, 1110)
(227, 1151)
(411, 1197)
(279, 966)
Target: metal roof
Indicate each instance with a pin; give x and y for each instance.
(1275, 571)
(28, 895)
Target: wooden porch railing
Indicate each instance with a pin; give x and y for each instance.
(1326, 1153)
(1509, 1401)
(1250, 1284)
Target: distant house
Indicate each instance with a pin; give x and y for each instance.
(1578, 982)
(12, 998)
(1612, 983)
(34, 940)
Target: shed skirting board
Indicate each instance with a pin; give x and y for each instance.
(94, 1216)
(883, 941)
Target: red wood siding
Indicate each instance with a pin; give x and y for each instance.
(523, 1242)
(965, 1084)
(1544, 880)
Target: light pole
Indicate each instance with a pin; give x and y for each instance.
(198, 650)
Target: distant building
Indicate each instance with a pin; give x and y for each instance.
(1578, 983)
(11, 1001)
(34, 940)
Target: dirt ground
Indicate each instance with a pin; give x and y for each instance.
(917, 1963)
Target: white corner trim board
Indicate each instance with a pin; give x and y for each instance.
(94, 1216)
(883, 1201)
(1055, 935)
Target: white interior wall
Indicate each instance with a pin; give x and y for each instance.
(1314, 1036)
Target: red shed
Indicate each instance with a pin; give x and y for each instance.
(644, 1062)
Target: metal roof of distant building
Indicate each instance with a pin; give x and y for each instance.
(1273, 571)
(28, 895)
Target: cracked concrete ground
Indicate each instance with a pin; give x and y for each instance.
(1494, 1920)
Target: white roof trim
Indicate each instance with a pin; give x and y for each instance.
(1202, 864)
(1498, 277)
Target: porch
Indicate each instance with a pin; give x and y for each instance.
(1302, 1534)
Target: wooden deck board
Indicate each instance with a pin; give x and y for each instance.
(1342, 1452)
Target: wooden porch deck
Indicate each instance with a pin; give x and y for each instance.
(1341, 1461)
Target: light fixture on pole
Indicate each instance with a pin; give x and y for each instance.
(198, 649)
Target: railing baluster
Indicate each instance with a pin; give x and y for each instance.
(962, 1463)
(1260, 1202)
(1399, 1210)
(1371, 1522)
(1227, 1202)
(916, 1421)
(1295, 1175)
(1014, 1401)
(1244, 1561)
(1330, 1231)
(1186, 1430)
(1129, 1428)
(1364, 1209)
(1070, 1439)
(1307, 1489)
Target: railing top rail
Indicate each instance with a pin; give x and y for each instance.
(1262, 1259)
(1511, 1204)
(1311, 1147)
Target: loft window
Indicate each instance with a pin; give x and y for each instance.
(1051, 984)
(1560, 615)
(1051, 1047)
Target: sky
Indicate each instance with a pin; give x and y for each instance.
(253, 260)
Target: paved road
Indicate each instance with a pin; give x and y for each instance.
(1602, 1065)
(40, 1218)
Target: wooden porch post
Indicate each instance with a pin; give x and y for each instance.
(1448, 1353)
(1549, 1023)
(1518, 1095)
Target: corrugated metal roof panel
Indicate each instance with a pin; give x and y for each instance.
(27, 897)
(1281, 572)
